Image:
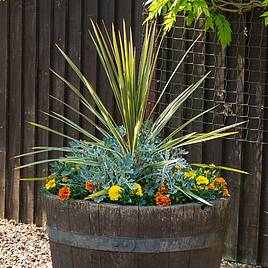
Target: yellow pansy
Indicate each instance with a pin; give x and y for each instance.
(202, 180)
(190, 174)
(50, 184)
(114, 192)
(138, 190)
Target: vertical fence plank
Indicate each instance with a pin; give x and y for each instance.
(137, 19)
(3, 101)
(89, 58)
(251, 188)
(44, 62)
(74, 52)
(123, 11)
(29, 102)
(232, 149)
(263, 250)
(178, 81)
(107, 15)
(14, 113)
(59, 65)
(214, 95)
(195, 71)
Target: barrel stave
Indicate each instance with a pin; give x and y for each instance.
(132, 223)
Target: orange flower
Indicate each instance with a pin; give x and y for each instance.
(162, 200)
(178, 168)
(225, 192)
(221, 180)
(90, 186)
(64, 193)
(211, 186)
(163, 189)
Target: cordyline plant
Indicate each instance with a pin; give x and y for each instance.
(131, 159)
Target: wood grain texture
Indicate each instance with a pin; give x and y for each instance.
(107, 9)
(154, 223)
(29, 107)
(112, 222)
(249, 232)
(74, 32)
(4, 22)
(89, 58)
(58, 65)
(43, 85)
(195, 71)
(15, 109)
(80, 211)
(58, 217)
(232, 149)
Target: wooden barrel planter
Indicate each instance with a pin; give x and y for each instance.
(85, 234)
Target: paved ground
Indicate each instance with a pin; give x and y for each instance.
(26, 246)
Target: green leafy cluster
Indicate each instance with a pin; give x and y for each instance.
(193, 9)
(142, 167)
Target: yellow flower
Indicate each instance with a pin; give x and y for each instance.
(202, 180)
(138, 190)
(114, 192)
(190, 174)
(50, 184)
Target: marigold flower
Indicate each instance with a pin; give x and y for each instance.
(221, 180)
(190, 174)
(212, 186)
(64, 193)
(138, 190)
(50, 184)
(90, 186)
(202, 180)
(225, 192)
(178, 168)
(162, 200)
(200, 187)
(114, 192)
(163, 189)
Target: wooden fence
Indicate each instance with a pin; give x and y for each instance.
(29, 29)
(238, 85)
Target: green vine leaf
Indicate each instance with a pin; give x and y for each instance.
(193, 10)
(224, 30)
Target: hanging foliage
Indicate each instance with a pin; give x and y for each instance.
(213, 12)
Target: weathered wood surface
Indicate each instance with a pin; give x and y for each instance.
(29, 31)
(129, 236)
(238, 84)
